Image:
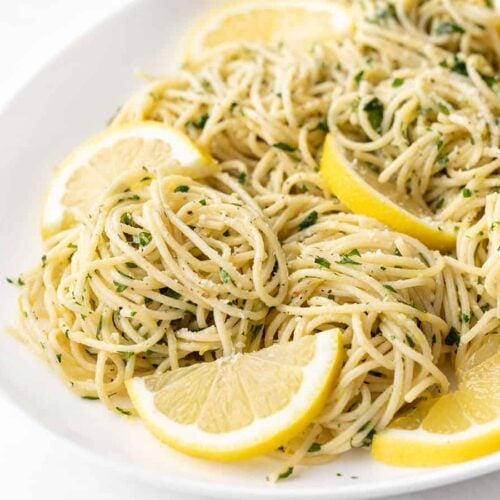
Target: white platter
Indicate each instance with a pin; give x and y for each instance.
(71, 98)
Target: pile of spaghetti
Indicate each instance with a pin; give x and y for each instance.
(261, 252)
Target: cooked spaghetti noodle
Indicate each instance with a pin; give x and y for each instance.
(157, 277)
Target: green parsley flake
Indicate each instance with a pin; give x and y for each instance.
(443, 159)
(200, 124)
(310, 220)
(410, 341)
(315, 447)
(225, 276)
(142, 239)
(323, 126)
(125, 412)
(242, 178)
(286, 474)
(453, 337)
(168, 292)
(443, 108)
(181, 189)
(466, 193)
(359, 77)
(390, 288)
(397, 82)
(120, 287)
(448, 28)
(322, 262)
(127, 219)
(284, 147)
(375, 112)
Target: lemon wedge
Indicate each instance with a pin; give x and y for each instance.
(244, 405)
(91, 167)
(453, 428)
(297, 23)
(360, 190)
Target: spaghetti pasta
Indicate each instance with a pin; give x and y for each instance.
(183, 271)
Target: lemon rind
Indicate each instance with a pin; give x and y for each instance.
(261, 436)
(354, 192)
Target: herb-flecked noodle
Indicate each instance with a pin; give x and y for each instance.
(167, 271)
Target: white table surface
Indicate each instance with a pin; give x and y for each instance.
(33, 463)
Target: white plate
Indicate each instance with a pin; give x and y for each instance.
(67, 101)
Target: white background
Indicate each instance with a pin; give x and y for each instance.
(33, 463)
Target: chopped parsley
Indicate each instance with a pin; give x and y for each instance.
(439, 144)
(181, 189)
(383, 14)
(127, 219)
(459, 67)
(375, 111)
(465, 318)
(310, 219)
(202, 202)
(286, 474)
(242, 178)
(322, 262)
(410, 341)
(90, 398)
(359, 76)
(126, 354)
(44, 260)
(168, 292)
(59, 357)
(200, 124)
(489, 80)
(390, 288)
(142, 239)
(448, 27)
(323, 126)
(225, 276)
(120, 287)
(346, 258)
(453, 337)
(443, 159)
(131, 265)
(314, 448)
(284, 147)
(367, 440)
(125, 412)
(397, 82)
(466, 193)
(443, 108)
(18, 282)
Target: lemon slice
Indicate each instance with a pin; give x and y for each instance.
(453, 428)
(360, 190)
(244, 405)
(91, 167)
(297, 23)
